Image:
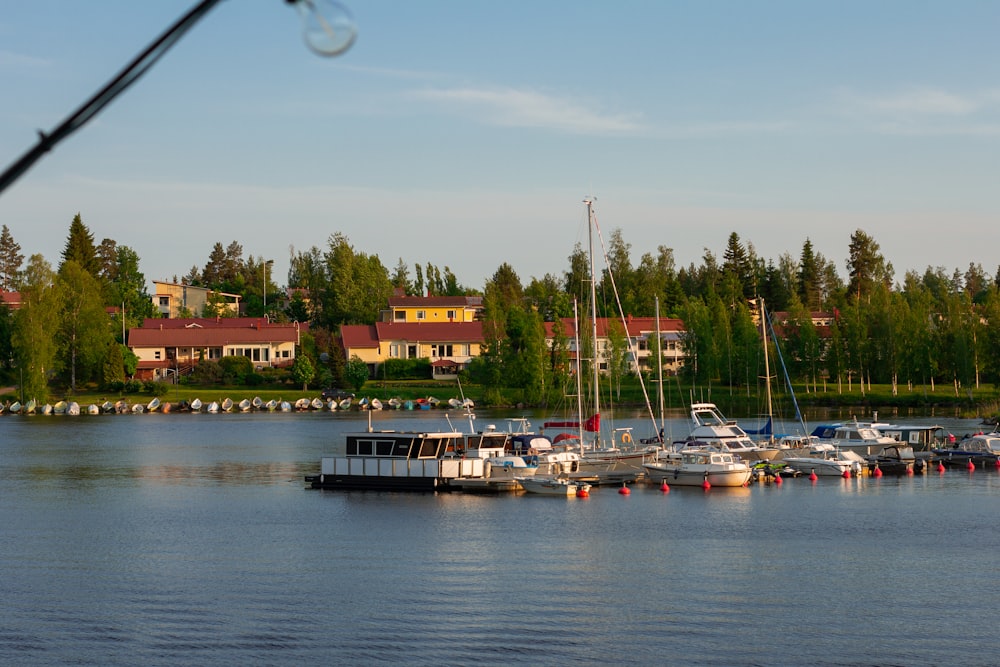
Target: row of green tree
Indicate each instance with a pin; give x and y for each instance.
(931, 327)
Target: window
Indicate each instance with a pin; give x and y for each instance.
(164, 300)
(451, 314)
(411, 351)
(399, 315)
(440, 350)
(421, 314)
(156, 355)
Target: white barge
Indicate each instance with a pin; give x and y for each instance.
(400, 460)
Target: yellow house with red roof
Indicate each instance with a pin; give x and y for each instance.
(449, 345)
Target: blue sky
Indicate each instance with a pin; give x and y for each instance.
(466, 134)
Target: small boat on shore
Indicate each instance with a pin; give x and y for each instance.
(73, 408)
(153, 405)
(226, 405)
(195, 405)
(212, 408)
(244, 405)
(375, 404)
(93, 409)
(302, 404)
(316, 403)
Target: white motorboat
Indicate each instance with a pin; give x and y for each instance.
(824, 459)
(863, 439)
(694, 467)
(711, 429)
(553, 486)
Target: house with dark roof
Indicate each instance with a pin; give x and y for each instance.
(171, 347)
(449, 345)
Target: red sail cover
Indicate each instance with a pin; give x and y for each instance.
(592, 425)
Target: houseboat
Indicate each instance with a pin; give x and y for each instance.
(399, 460)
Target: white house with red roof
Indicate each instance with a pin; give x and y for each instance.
(168, 347)
(640, 331)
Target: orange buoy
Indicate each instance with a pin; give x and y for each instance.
(877, 472)
(813, 476)
(624, 491)
(666, 488)
(582, 493)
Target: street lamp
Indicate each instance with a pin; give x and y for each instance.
(268, 263)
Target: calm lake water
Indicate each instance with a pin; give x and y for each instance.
(190, 539)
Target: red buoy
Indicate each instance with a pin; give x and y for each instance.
(813, 476)
(705, 485)
(877, 472)
(666, 489)
(998, 462)
(624, 491)
(777, 480)
(971, 466)
(847, 473)
(582, 493)
(940, 467)
(909, 471)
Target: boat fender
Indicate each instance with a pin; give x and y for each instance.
(627, 438)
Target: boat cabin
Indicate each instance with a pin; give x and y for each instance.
(399, 460)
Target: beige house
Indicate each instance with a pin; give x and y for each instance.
(167, 348)
(170, 298)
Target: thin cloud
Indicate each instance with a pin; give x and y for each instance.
(17, 60)
(924, 111)
(508, 107)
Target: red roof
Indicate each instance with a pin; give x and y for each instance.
(431, 332)
(219, 323)
(354, 336)
(445, 363)
(210, 337)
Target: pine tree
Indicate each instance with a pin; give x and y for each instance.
(80, 247)
(11, 260)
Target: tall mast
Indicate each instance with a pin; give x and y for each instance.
(593, 304)
(579, 367)
(659, 364)
(767, 368)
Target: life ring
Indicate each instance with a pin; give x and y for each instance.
(626, 438)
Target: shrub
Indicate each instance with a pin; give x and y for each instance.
(235, 369)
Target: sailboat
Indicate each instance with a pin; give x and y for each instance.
(615, 459)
